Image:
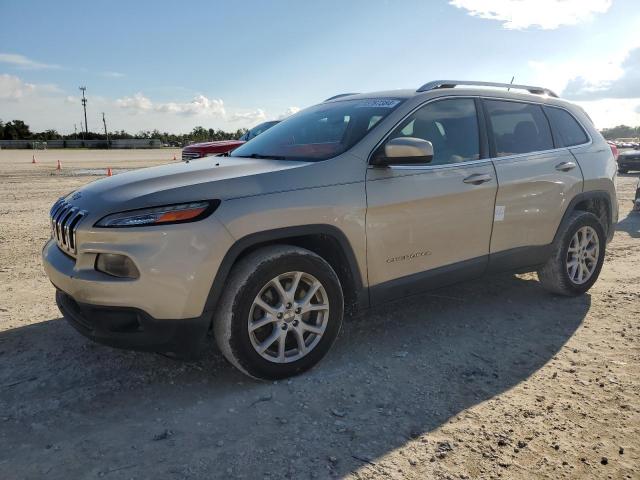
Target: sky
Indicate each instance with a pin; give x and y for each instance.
(175, 65)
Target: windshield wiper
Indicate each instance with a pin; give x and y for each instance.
(266, 157)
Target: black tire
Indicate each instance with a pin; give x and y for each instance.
(246, 280)
(554, 276)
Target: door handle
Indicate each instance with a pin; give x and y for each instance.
(565, 166)
(478, 178)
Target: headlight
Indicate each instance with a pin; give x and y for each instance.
(165, 215)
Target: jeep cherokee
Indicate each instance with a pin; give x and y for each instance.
(359, 200)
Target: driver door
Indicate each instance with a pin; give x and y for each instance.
(428, 225)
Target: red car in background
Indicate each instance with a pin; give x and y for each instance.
(223, 147)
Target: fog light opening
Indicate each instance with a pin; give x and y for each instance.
(116, 265)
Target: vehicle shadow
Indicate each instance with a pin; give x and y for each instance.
(70, 408)
(630, 224)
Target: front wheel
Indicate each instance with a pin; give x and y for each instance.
(577, 258)
(280, 312)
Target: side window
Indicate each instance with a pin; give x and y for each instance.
(450, 125)
(518, 127)
(566, 127)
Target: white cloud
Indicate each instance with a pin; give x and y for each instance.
(14, 89)
(23, 62)
(252, 117)
(113, 74)
(609, 112)
(200, 105)
(626, 84)
(136, 104)
(288, 112)
(607, 87)
(543, 14)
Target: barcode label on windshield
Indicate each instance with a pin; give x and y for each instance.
(378, 103)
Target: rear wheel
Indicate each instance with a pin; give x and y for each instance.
(577, 258)
(280, 313)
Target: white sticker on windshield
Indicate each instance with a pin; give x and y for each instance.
(378, 103)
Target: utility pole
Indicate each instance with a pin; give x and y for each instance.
(84, 105)
(106, 134)
(81, 129)
(75, 129)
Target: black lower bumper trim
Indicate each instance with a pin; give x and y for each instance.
(133, 329)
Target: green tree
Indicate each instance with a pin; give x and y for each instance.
(621, 131)
(16, 130)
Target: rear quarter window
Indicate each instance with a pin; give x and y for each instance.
(566, 128)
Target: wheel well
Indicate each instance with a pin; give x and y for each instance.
(329, 248)
(599, 207)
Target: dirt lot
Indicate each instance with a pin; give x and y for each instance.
(491, 378)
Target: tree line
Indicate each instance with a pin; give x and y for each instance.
(19, 130)
(621, 131)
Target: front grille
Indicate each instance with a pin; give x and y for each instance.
(64, 220)
(190, 155)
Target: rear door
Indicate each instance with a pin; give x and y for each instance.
(431, 224)
(537, 177)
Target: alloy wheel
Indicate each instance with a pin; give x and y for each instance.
(288, 317)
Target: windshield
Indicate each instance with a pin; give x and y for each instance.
(320, 132)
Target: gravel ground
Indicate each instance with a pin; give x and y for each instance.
(487, 379)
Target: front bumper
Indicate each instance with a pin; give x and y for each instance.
(131, 328)
(177, 264)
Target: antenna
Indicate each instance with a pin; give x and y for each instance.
(511, 82)
(84, 105)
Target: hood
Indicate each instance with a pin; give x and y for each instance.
(227, 177)
(222, 145)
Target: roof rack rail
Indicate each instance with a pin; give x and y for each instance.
(341, 95)
(453, 83)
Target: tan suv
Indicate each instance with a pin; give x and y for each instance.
(356, 201)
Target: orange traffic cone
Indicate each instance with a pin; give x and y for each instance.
(33, 159)
(59, 167)
(109, 172)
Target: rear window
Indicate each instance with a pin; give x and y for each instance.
(566, 127)
(518, 127)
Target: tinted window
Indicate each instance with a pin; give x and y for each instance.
(320, 132)
(518, 127)
(450, 125)
(566, 127)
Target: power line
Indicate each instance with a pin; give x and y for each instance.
(105, 129)
(84, 105)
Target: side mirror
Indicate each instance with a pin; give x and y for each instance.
(404, 151)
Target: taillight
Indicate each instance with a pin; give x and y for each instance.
(614, 150)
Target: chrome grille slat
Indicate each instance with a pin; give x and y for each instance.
(64, 219)
(57, 218)
(190, 155)
(65, 225)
